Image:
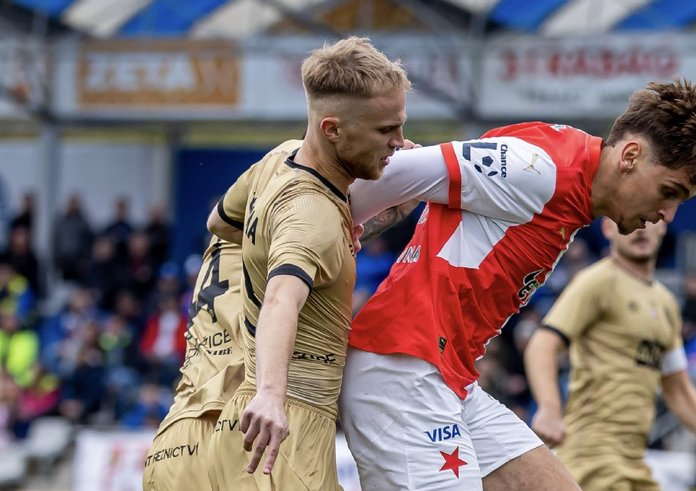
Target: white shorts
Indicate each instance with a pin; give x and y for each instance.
(408, 431)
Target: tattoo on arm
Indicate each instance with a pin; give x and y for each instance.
(387, 219)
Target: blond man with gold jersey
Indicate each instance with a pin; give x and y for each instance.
(214, 363)
(623, 329)
(299, 264)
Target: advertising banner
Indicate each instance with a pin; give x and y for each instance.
(524, 78)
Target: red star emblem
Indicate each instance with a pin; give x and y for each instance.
(452, 461)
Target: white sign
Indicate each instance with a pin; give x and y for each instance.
(576, 78)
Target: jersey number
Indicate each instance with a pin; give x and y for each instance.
(214, 288)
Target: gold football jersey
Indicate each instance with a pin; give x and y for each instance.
(619, 327)
(296, 222)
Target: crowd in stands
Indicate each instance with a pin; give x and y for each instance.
(110, 354)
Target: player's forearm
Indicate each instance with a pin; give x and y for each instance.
(275, 339)
(541, 364)
(387, 219)
(276, 331)
(680, 397)
(219, 227)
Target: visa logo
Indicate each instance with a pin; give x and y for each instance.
(443, 433)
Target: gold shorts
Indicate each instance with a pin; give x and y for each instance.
(611, 473)
(177, 459)
(306, 460)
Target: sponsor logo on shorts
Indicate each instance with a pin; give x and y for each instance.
(452, 462)
(185, 450)
(443, 433)
(327, 359)
(226, 425)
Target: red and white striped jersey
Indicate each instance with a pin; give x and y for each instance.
(515, 199)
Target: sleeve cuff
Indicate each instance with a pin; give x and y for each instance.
(227, 219)
(560, 333)
(292, 270)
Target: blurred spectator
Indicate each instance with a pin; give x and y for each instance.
(72, 241)
(37, 399)
(107, 273)
(168, 281)
(507, 387)
(373, 264)
(83, 389)
(25, 217)
(120, 227)
(19, 349)
(122, 362)
(158, 232)
(149, 410)
(20, 254)
(129, 308)
(70, 349)
(9, 395)
(56, 330)
(16, 296)
(192, 265)
(163, 344)
(140, 265)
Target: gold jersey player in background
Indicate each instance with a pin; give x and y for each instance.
(212, 369)
(623, 328)
(299, 264)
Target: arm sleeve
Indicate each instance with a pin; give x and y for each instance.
(307, 239)
(578, 307)
(232, 206)
(416, 173)
(504, 178)
(674, 360)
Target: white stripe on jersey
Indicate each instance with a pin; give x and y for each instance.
(505, 178)
(473, 240)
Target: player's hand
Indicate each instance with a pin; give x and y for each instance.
(408, 145)
(548, 424)
(358, 230)
(264, 424)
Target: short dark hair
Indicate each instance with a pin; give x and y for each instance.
(664, 114)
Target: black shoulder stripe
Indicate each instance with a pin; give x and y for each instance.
(560, 333)
(226, 219)
(292, 270)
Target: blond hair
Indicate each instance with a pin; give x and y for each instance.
(351, 67)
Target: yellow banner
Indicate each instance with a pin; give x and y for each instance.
(158, 73)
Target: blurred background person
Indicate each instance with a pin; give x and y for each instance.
(623, 329)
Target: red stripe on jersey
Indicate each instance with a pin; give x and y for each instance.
(455, 176)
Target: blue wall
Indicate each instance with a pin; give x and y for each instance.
(201, 177)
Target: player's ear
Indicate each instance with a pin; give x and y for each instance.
(609, 228)
(330, 128)
(629, 153)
